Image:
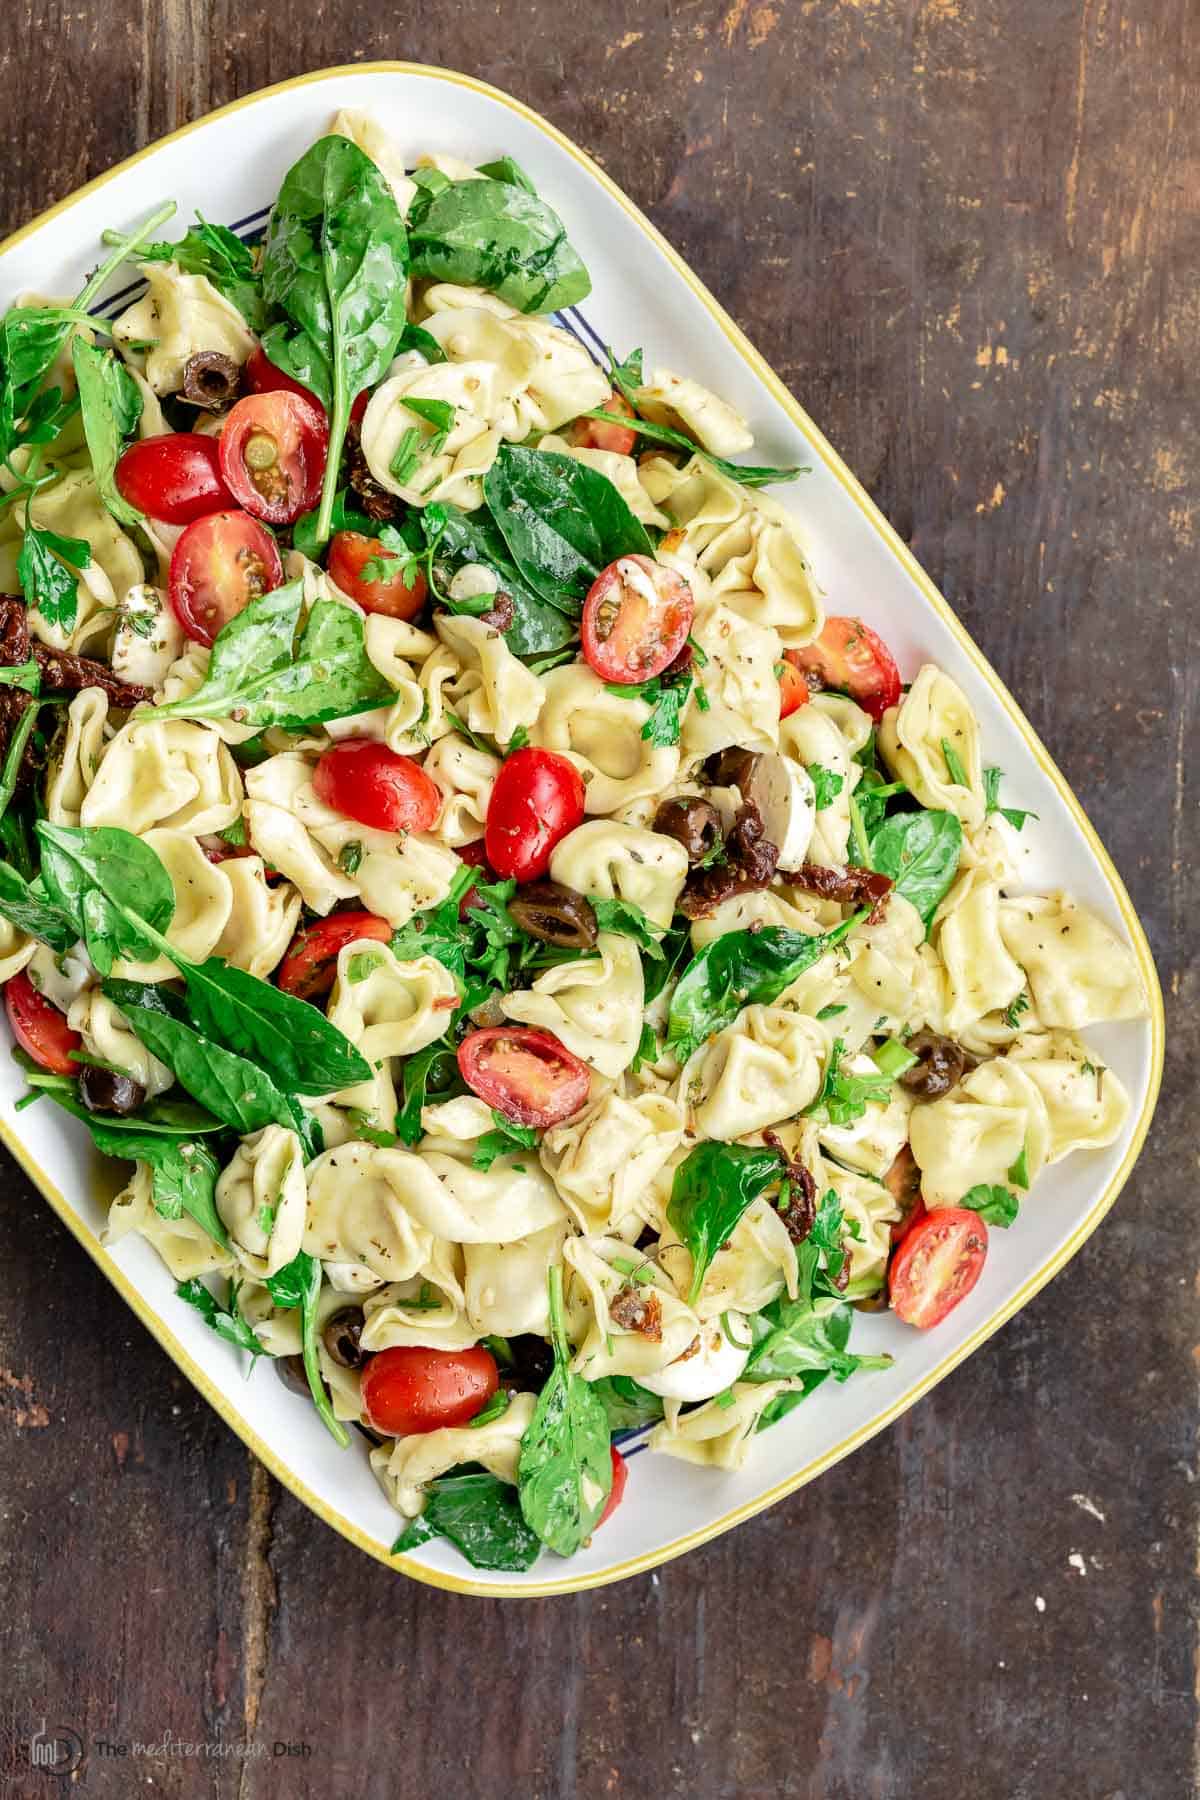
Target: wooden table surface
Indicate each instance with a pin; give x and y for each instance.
(966, 233)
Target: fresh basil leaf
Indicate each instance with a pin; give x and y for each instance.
(562, 522)
(219, 254)
(627, 1405)
(742, 968)
(507, 168)
(335, 264)
(298, 1284)
(628, 920)
(111, 404)
(227, 1322)
(995, 1205)
(564, 1471)
(78, 860)
(48, 568)
(827, 785)
(481, 1516)
(920, 851)
(30, 911)
(497, 235)
(537, 627)
(253, 678)
(713, 1186)
(747, 474)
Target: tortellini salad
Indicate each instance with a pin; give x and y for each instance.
(544, 972)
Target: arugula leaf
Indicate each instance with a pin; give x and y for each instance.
(30, 911)
(742, 968)
(628, 920)
(920, 851)
(48, 568)
(219, 254)
(564, 1471)
(713, 1186)
(298, 1283)
(627, 1405)
(501, 1141)
(481, 1516)
(507, 168)
(744, 473)
(335, 263)
(253, 678)
(666, 700)
(111, 404)
(991, 797)
(844, 1098)
(827, 785)
(496, 234)
(795, 1340)
(227, 1322)
(995, 1205)
(562, 522)
(436, 1068)
(626, 376)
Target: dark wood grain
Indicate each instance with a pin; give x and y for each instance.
(967, 233)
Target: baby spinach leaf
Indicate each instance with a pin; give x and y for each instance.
(47, 568)
(298, 1283)
(538, 626)
(235, 1090)
(497, 234)
(111, 405)
(748, 475)
(675, 947)
(627, 1405)
(335, 263)
(429, 1074)
(995, 1205)
(920, 851)
(795, 1341)
(103, 859)
(24, 906)
(507, 168)
(564, 1471)
(292, 1040)
(742, 968)
(253, 678)
(219, 254)
(562, 522)
(713, 1186)
(415, 337)
(481, 1515)
(183, 1170)
(227, 1322)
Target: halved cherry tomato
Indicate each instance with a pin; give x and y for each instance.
(793, 689)
(635, 619)
(40, 1029)
(598, 434)
(848, 654)
(938, 1262)
(536, 800)
(262, 377)
(349, 553)
(366, 781)
(406, 1389)
(221, 563)
(616, 1492)
(475, 856)
(273, 450)
(525, 1074)
(310, 965)
(176, 478)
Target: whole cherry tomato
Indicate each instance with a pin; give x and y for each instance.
(406, 1389)
(176, 478)
(536, 800)
(366, 781)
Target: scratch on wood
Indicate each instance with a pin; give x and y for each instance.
(1071, 181)
(259, 1600)
(732, 19)
(18, 1405)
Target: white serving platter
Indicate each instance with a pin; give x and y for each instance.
(229, 166)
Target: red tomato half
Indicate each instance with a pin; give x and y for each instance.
(349, 553)
(616, 1492)
(273, 450)
(368, 782)
(309, 967)
(938, 1262)
(176, 478)
(40, 1029)
(262, 377)
(793, 689)
(537, 799)
(848, 654)
(525, 1074)
(406, 1389)
(598, 434)
(220, 564)
(635, 619)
